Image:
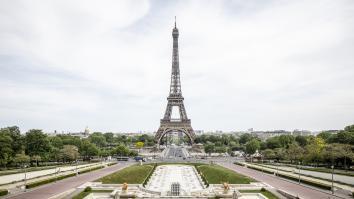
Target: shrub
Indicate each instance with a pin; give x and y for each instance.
(263, 189)
(150, 174)
(3, 192)
(46, 181)
(88, 189)
(90, 169)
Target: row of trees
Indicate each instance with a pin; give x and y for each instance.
(325, 148)
(36, 146)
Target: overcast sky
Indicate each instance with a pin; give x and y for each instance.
(68, 64)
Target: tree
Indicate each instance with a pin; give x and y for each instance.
(98, 139)
(88, 150)
(301, 140)
(314, 150)
(246, 137)
(17, 138)
(294, 153)
(273, 142)
(280, 154)
(286, 140)
(21, 158)
(5, 149)
(109, 137)
(349, 128)
(36, 158)
(325, 135)
(121, 150)
(37, 143)
(268, 154)
(56, 141)
(345, 137)
(69, 153)
(209, 148)
(139, 145)
(252, 146)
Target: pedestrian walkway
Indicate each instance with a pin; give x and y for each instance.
(340, 178)
(281, 184)
(49, 190)
(15, 182)
(305, 177)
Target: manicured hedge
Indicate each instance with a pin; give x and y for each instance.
(112, 163)
(49, 180)
(90, 169)
(148, 177)
(305, 181)
(3, 192)
(202, 176)
(308, 182)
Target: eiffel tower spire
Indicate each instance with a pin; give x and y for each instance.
(175, 86)
(175, 99)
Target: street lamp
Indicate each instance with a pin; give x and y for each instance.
(332, 167)
(262, 162)
(24, 166)
(299, 172)
(77, 173)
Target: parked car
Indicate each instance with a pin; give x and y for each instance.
(138, 158)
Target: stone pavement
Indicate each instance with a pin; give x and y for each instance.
(279, 183)
(49, 190)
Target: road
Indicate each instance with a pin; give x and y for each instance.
(52, 189)
(279, 183)
(176, 152)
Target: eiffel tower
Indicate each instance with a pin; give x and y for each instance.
(175, 99)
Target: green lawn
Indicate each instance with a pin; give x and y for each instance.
(135, 174)
(266, 193)
(215, 174)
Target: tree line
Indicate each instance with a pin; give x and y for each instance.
(35, 146)
(326, 148)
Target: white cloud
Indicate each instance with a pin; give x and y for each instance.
(106, 64)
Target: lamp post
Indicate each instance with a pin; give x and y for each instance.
(77, 173)
(299, 172)
(262, 162)
(332, 167)
(24, 166)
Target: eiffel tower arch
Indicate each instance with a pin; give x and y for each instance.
(175, 99)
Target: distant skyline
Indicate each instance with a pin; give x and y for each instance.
(266, 65)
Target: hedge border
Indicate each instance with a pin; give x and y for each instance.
(150, 174)
(49, 180)
(202, 176)
(305, 181)
(3, 192)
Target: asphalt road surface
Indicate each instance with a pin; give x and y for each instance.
(52, 189)
(176, 152)
(279, 183)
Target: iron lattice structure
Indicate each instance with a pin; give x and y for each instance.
(175, 99)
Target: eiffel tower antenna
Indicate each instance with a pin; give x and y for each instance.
(175, 99)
